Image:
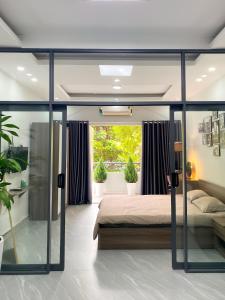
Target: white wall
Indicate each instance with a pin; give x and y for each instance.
(208, 167)
(10, 89)
(140, 113)
(214, 92)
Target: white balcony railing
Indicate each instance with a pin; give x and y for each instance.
(114, 166)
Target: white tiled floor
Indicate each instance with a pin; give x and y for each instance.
(110, 275)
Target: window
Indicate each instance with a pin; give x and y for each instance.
(114, 144)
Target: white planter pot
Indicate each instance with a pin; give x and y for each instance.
(99, 189)
(131, 188)
(1, 250)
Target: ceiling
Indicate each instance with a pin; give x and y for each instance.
(115, 23)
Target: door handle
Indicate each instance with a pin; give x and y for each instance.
(61, 181)
(174, 179)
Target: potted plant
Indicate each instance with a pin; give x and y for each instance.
(7, 165)
(100, 176)
(131, 177)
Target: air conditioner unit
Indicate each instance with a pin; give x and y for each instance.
(116, 111)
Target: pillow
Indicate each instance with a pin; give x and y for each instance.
(209, 204)
(195, 194)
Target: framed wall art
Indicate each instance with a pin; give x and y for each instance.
(215, 132)
(222, 120)
(214, 115)
(208, 124)
(201, 127)
(216, 150)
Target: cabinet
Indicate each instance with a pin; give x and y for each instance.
(39, 171)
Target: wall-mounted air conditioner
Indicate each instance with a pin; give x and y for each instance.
(116, 111)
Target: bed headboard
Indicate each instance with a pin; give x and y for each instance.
(212, 189)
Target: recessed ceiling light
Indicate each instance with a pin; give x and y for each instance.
(116, 99)
(29, 74)
(34, 79)
(20, 68)
(117, 87)
(56, 98)
(115, 70)
(117, 80)
(212, 69)
(204, 76)
(199, 79)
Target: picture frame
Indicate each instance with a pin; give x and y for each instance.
(215, 132)
(201, 127)
(215, 127)
(216, 150)
(222, 139)
(222, 120)
(214, 115)
(215, 138)
(209, 139)
(208, 124)
(204, 139)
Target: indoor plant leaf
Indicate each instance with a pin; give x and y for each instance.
(5, 137)
(5, 199)
(14, 165)
(12, 132)
(4, 118)
(4, 184)
(10, 126)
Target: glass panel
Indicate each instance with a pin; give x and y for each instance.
(115, 78)
(205, 77)
(56, 192)
(25, 242)
(24, 76)
(205, 171)
(179, 190)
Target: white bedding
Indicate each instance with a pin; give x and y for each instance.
(148, 210)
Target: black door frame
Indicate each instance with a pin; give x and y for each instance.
(61, 265)
(32, 268)
(44, 268)
(52, 105)
(188, 267)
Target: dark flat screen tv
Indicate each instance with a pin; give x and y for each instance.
(19, 154)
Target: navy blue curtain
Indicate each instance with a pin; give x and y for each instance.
(79, 189)
(156, 156)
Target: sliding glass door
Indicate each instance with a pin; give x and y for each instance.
(24, 168)
(198, 212)
(32, 188)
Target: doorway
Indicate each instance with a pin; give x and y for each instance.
(114, 144)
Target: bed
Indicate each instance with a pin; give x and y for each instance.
(144, 222)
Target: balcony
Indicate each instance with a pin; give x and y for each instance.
(115, 182)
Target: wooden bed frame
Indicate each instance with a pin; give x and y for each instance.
(159, 237)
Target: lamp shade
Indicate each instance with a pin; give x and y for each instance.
(178, 146)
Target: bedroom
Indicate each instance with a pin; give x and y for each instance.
(127, 235)
(151, 92)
